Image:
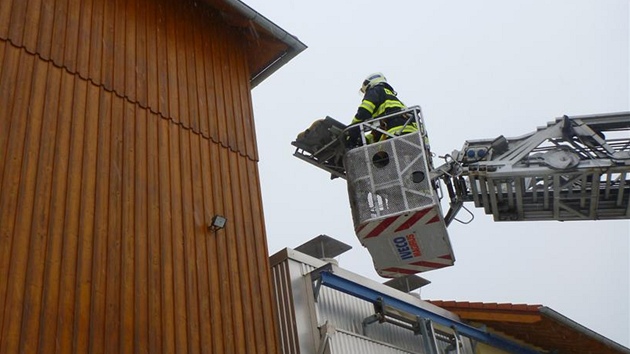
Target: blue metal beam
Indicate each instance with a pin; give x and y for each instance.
(324, 276)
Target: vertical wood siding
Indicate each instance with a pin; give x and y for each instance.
(124, 127)
(175, 58)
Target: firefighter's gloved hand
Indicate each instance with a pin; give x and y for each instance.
(353, 138)
(376, 135)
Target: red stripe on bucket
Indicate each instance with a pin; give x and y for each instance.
(429, 264)
(434, 219)
(400, 270)
(382, 226)
(413, 219)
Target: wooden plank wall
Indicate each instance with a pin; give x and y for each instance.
(124, 127)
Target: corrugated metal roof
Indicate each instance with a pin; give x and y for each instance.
(536, 324)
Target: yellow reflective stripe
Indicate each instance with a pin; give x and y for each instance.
(355, 121)
(408, 129)
(388, 104)
(396, 130)
(368, 106)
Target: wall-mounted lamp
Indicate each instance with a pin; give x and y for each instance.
(218, 223)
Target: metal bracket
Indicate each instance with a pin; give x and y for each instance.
(383, 315)
(316, 278)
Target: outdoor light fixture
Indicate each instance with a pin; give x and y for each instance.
(218, 223)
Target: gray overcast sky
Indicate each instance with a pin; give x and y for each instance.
(479, 69)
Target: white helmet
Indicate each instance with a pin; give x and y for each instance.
(372, 80)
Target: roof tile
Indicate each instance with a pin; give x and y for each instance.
(528, 323)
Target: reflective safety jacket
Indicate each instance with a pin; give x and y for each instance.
(379, 101)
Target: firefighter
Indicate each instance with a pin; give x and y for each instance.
(379, 99)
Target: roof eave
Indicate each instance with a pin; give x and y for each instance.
(546, 311)
(294, 45)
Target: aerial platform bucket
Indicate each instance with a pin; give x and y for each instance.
(395, 208)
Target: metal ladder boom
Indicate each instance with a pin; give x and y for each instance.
(575, 168)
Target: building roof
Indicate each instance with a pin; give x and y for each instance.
(268, 46)
(535, 324)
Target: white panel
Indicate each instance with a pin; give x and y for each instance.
(347, 312)
(342, 342)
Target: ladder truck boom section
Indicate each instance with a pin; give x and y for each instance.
(574, 168)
